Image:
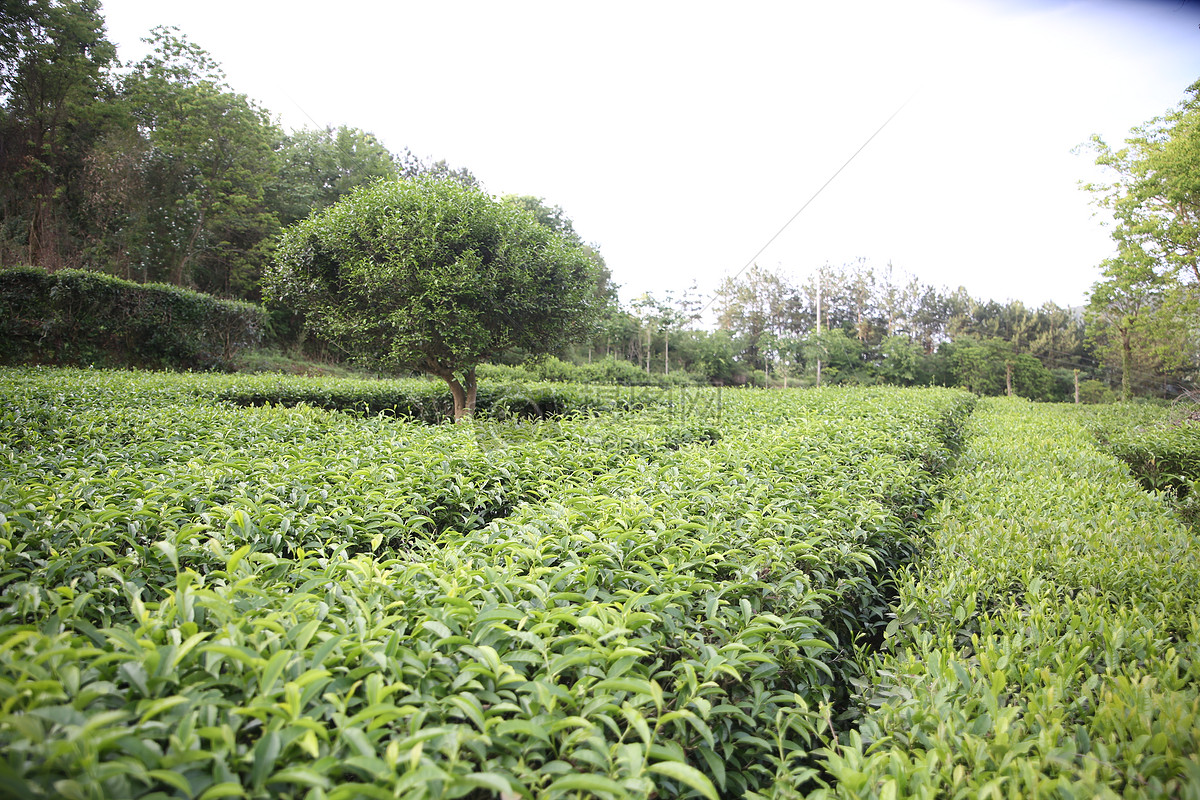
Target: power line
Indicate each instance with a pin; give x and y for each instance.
(302, 111)
(814, 197)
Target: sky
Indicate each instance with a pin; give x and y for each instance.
(681, 137)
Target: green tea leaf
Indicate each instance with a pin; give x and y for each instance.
(687, 775)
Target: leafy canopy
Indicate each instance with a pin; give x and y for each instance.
(318, 167)
(1142, 312)
(1154, 196)
(209, 160)
(434, 276)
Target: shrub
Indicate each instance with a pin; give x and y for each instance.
(505, 392)
(202, 600)
(1096, 392)
(504, 373)
(1046, 643)
(1160, 445)
(81, 318)
(607, 371)
(612, 370)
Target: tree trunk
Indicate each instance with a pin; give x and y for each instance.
(180, 267)
(1126, 363)
(459, 395)
(472, 391)
(464, 392)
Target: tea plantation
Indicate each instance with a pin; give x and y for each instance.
(220, 586)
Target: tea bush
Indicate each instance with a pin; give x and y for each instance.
(608, 370)
(430, 401)
(200, 599)
(1161, 445)
(1048, 644)
(75, 317)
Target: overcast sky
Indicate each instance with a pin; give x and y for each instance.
(681, 136)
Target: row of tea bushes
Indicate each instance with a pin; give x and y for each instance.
(721, 590)
(1049, 644)
(430, 400)
(203, 600)
(1160, 445)
(421, 399)
(79, 317)
(133, 458)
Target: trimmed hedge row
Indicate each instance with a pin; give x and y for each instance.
(1160, 445)
(603, 371)
(430, 400)
(201, 600)
(81, 318)
(1049, 643)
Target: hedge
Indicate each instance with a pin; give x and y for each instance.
(80, 318)
(199, 600)
(1047, 644)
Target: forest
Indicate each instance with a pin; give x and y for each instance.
(159, 172)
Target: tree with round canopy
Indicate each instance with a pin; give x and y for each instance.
(434, 276)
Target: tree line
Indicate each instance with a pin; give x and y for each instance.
(156, 171)
(852, 324)
(1137, 332)
(1142, 313)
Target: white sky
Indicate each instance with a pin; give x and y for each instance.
(680, 136)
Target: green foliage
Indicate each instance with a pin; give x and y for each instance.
(53, 55)
(1160, 445)
(208, 163)
(1032, 380)
(879, 328)
(319, 167)
(1140, 320)
(435, 277)
(1095, 392)
(901, 363)
(840, 355)
(759, 304)
(1048, 643)
(553, 217)
(837, 593)
(986, 367)
(199, 599)
(510, 393)
(713, 355)
(158, 171)
(85, 318)
(602, 371)
(1141, 313)
(1163, 456)
(267, 358)
(1155, 191)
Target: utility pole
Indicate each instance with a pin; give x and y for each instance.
(820, 280)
